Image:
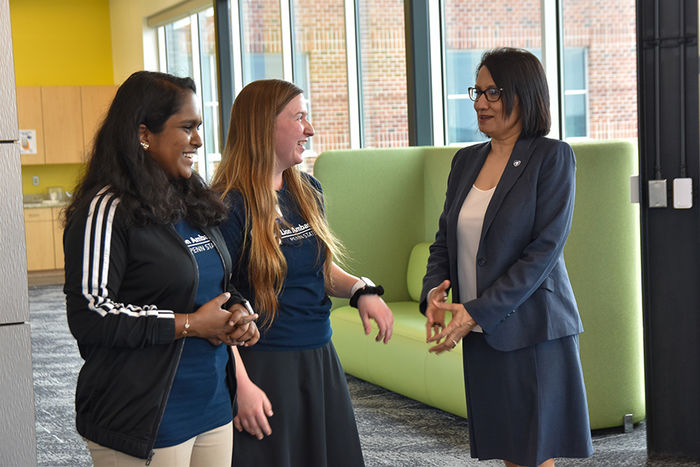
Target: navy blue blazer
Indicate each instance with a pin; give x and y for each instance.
(523, 289)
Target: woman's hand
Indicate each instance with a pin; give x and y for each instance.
(245, 331)
(373, 307)
(460, 325)
(253, 410)
(216, 324)
(435, 309)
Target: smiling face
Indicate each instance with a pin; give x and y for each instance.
(175, 146)
(292, 131)
(491, 116)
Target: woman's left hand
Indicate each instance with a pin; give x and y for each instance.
(460, 325)
(373, 307)
(245, 331)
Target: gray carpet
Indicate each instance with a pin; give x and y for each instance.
(394, 430)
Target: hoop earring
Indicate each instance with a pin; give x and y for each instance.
(145, 145)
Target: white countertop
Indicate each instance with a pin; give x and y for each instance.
(45, 204)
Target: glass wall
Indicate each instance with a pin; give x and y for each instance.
(349, 56)
(600, 69)
(599, 95)
(472, 27)
(320, 69)
(382, 73)
(208, 91)
(188, 49)
(178, 47)
(261, 39)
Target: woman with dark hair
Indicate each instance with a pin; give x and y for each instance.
(499, 247)
(284, 257)
(147, 284)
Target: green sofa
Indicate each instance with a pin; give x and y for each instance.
(384, 205)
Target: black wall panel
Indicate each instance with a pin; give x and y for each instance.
(668, 136)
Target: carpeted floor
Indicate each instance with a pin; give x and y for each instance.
(394, 430)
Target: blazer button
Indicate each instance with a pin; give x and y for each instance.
(482, 261)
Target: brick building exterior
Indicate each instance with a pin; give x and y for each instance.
(605, 30)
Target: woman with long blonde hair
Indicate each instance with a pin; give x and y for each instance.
(284, 255)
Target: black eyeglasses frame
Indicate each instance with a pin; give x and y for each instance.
(475, 93)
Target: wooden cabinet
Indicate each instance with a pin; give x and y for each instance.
(95, 101)
(29, 116)
(63, 124)
(38, 229)
(65, 119)
(57, 223)
(44, 236)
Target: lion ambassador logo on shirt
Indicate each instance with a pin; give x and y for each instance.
(199, 244)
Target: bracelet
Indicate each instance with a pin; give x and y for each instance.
(187, 325)
(369, 289)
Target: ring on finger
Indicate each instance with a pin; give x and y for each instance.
(454, 342)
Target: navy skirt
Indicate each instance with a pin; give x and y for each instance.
(313, 423)
(527, 405)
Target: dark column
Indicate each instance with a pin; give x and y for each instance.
(420, 107)
(222, 21)
(668, 149)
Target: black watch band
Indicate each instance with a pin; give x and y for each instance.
(366, 290)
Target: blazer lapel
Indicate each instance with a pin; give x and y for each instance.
(470, 171)
(514, 169)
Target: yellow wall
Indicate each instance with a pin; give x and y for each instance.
(61, 43)
(63, 175)
(133, 42)
(79, 42)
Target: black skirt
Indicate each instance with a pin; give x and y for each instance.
(313, 423)
(528, 405)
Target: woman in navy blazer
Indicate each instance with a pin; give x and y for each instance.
(499, 247)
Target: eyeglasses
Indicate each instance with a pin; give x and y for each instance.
(492, 94)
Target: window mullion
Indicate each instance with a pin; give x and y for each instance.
(197, 77)
(236, 52)
(551, 58)
(162, 54)
(436, 71)
(351, 54)
(287, 38)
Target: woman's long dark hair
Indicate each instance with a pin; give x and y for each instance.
(117, 159)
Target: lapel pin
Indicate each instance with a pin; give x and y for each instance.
(516, 163)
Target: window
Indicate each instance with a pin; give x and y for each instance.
(460, 75)
(382, 73)
(320, 69)
(575, 93)
(470, 28)
(188, 49)
(349, 57)
(600, 69)
(261, 40)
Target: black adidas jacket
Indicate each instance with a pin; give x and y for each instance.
(123, 285)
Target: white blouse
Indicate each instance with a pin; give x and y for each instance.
(469, 225)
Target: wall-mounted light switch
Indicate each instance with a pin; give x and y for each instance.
(35, 180)
(634, 188)
(683, 193)
(658, 197)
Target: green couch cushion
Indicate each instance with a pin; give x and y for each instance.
(602, 255)
(404, 365)
(376, 362)
(384, 204)
(436, 167)
(375, 198)
(417, 263)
